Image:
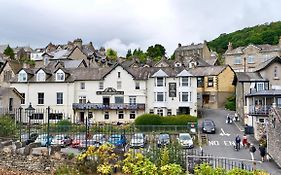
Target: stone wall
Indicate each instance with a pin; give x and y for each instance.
(274, 142)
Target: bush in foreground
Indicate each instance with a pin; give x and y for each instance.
(7, 126)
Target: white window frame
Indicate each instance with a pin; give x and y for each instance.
(132, 114)
(82, 85)
(22, 102)
(137, 85)
(158, 83)
(119, 102)
(160, 111)
(237, 60)
(251, 59)
(41, 76)
(186, 95)
(184, 81)
(38, 99)
(275, 73)
(159, 94)
(119, 84)
(82, 99)
(260, 86)
(59, 98)
(132, 100)
(101, 85)
(22, 77)
(60, 75)
(121, 113)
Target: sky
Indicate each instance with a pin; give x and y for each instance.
(128, 24)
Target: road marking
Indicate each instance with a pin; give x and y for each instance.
(214, 143)
(242, 130)
(229, 143)
(225, 143)
(223, 133)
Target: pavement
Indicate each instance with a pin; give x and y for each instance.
(222, 143)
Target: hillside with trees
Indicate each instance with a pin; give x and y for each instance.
(267, 33)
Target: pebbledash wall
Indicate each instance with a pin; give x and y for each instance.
(139, 94)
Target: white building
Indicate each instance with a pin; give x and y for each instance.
(112, 94)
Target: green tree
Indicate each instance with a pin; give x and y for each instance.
(111, 54)
(140, 55)
(129, 53)
(9, 52)
(155, 52)
(173, 57)
(7, 126)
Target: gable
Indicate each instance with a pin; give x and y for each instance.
(162, 63)
(160, 73)
(251, 49)
(113, 73)
(184, 73)
(77, 54)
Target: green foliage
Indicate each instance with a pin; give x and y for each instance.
(140, 55)
(173, 57)
(267, 33)
(9, 52)
(171, 169)
(129, 53)
(156, 52)
(64, 126)
(164, 156)
(153, 119)
(7, 126)
(111, 54)
(231, 103)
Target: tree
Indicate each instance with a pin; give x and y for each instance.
(9, 52)
(155, 52)
(111, 54)
(140, 55)
(129, 53)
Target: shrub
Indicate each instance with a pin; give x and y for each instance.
(64, 126)
(7, 126)
(148, 119)
(231, 103)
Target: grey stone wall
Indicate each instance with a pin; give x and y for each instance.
(274, 142)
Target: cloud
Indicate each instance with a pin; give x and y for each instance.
(120, 47)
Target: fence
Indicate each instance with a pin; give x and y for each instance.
(54, 127)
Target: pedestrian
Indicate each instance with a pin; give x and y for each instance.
(262, 152)
(252, 151)
(245, 141)
(237, 141)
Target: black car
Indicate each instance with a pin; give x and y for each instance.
(208, 126)
(28, 138)
(163, 140)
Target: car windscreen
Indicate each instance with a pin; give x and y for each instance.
(185, 137)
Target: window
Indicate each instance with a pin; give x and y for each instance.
(137, 85)
(237, 60)
(210, 81)
(59, 98)
(132, 114)
(200, 81)
(184, 96)
(169, 112)
(60, 75)
(22, 76)
(23, 98)
(121, 114)
(212, 98)
(279, 102)
(37, 116)
(251, 59)
(184, 81)
(11, 100)
(160, 81)
(160, 111)
(190, 96)
(151, 111)
(119, 84)
(276, 72)
(160, 96)
(7, 75)
(132, 100)
(82, 99)
(119, 100)
(41, 76)
(56, 116)
(106, 115)
(101, 85)
(260, 86)
(82, 85)
(40, 98)
(119, 74)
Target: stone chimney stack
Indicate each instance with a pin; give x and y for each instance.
(229, 46)
(179, 45)
(78, 42)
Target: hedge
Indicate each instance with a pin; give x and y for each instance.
(153, 119)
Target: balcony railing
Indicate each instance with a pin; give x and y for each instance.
(259, 109)
(112, 106)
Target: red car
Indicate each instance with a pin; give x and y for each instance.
(77, 140)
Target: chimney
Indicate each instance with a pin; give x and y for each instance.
(179, 45)
(78, 42)
(229, 46)
(245, 64)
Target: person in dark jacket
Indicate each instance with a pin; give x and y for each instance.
(252, 151)
(262, 152)
(237, 141)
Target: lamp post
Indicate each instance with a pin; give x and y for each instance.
(20, 110)
(29, 110)
(87, 118)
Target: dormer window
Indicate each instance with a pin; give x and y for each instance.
(22, 77)
(177, 64)
(60, 76)
(41, 76)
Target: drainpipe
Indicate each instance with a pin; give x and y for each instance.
(245, 62)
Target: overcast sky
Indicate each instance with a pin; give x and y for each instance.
(124, 24)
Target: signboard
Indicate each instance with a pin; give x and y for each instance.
(172, 90)
(110, 91)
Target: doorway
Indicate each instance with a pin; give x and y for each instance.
(106, 101)
(82, 117)
(184, 110)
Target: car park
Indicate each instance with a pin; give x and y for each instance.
(163, 140)
(77, 140)
(138, 140)
(208, 126)
(117, 140)
(62, 140)
(99, 138)
(27, 138)
(43, 139)
(185, 140)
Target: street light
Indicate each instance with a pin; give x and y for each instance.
(20, 109)
(87, 132)
(29, 110)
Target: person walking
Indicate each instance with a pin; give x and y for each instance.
(237, 142)
(262, 152)
(252, 151)
(245, 141)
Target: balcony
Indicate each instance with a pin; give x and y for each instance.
(259, 109)
(112, 106)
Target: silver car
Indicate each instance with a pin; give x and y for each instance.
(138, 140)
(185, 140)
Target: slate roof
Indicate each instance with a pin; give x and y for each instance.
(268, 62)
(14, 64)
(249, 76)
(191, 47)
(208, 71)
(263, 48)
(270, 92)
(5, 91)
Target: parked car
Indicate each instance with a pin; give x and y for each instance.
(62, 140)
(163, 140)
(117, 140)
(43, 139)
(94, 143)
(99, 138)
(77, 140)
(138, 140)
(185, 140)
(208, 126)
(27, 140)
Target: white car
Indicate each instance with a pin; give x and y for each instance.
(138, 140)
(185, 140)
(62, 140)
